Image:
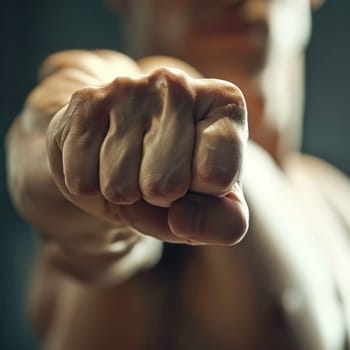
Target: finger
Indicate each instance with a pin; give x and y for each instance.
(120, 158)
(206, 219)
(165, 173)
(53, 135)
(132, 105)
(81, 147)
(96, 205)
(149, 219)
(221, 135)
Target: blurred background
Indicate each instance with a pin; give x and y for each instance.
(31, 30)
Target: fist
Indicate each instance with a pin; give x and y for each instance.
(161, 153)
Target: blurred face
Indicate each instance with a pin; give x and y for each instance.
(256, 44)
(216, 35)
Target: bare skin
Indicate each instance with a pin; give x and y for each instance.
(113, 188)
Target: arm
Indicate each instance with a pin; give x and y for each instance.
(63, 226)
(157, 153)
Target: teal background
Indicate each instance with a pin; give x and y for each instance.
(30, 30)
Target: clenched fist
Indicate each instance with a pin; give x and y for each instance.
(161, 153)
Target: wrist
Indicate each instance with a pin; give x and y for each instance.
(108, 262)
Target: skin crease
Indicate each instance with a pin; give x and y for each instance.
(79, 108)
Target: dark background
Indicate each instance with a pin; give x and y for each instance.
(30, 30)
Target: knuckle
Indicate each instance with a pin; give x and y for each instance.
(79, 187)
(231, 90)
(163, 75)
(216, 176)
(176, 84)
(220, 170)
(120, 194)
(120, 86)
(86, 99)
(160, 187)
(237, 106)
(174, 190)
(134, 96)
(151, 188)
(231, 102)
(86, 112)
(83, 96)
(238, 112)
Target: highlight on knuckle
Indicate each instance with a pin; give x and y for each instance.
(82, 96)
(135, 97)
(86, 99)
(161, 75)
(233, 103)
(175, 83)
(121, 86)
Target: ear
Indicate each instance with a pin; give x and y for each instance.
(315, 4)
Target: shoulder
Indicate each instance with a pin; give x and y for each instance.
(301, 221)
(330, 182)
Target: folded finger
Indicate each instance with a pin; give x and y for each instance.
(205, 219)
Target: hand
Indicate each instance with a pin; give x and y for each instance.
(161, 153)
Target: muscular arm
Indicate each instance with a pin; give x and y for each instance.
(182, 188)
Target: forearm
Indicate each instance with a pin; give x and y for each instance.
(72, 240)
(109, 266)
(49, 283)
